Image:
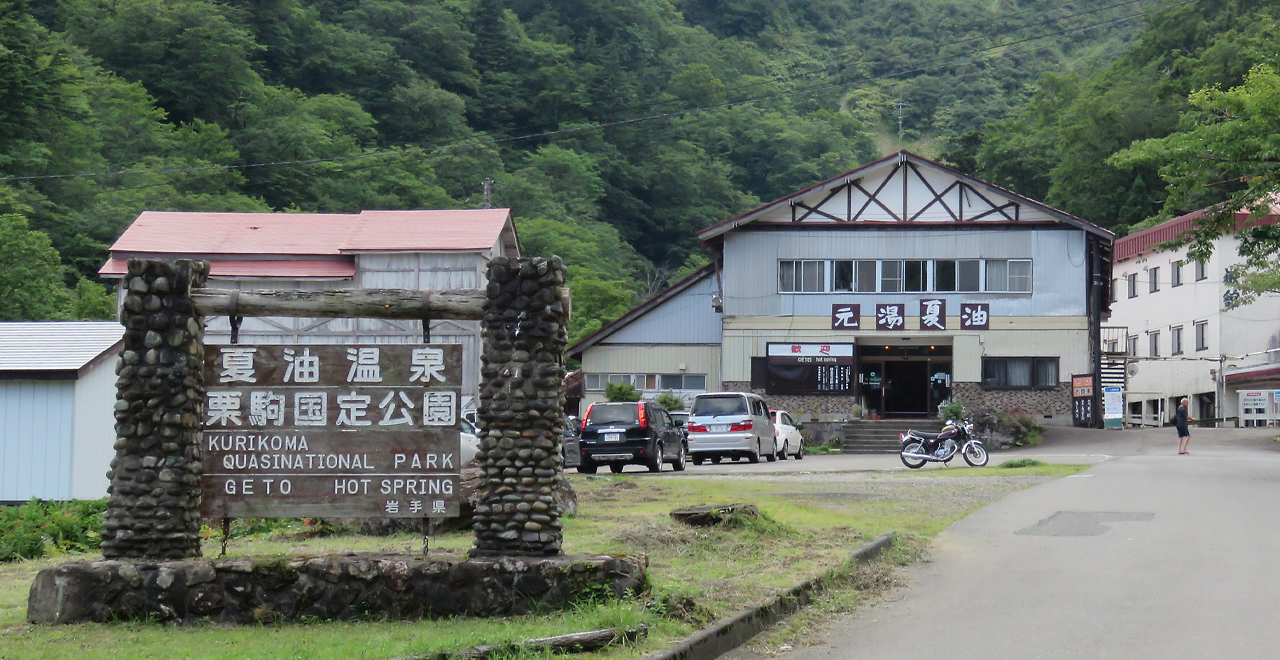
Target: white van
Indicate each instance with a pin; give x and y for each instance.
(730, 425)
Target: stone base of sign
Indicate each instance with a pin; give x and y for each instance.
(259, 590)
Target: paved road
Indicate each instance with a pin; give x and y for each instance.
(1145, 555)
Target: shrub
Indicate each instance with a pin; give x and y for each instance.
(34, 529)
(670, 401)
(621, 392)
(952, 411)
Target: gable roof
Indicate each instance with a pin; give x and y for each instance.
(902, 190)
(644, 308)
(54, 346)
(312, 234)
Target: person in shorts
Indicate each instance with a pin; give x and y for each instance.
(1180, 420)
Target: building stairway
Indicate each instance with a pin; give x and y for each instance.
(881, 436)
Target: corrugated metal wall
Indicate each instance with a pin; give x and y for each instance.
(36, 430)
(687, 318)
(751, 268)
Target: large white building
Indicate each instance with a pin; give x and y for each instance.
(895, 286)
(1168, 320)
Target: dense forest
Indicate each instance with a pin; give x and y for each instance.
(613, 128)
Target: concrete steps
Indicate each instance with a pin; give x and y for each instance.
(881, 436)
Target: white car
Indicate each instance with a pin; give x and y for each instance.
(470, 441)
(787, 431)
(730, 425)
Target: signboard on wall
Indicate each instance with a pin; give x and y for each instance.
(1082, 412)
(795, 368)
(331, 431)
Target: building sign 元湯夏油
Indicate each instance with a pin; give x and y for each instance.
(331, 431)
(809, 368)
(892, 316)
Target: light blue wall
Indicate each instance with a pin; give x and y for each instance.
(36, 429)
(1058, 268)
(687, 318)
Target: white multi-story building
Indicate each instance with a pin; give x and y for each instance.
(1168, 321)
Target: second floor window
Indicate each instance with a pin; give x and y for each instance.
(1154, 274)
(904, 275)
(1202, 336)
(1153, 338)
(1175, 340)
(1202, 271)
(1131, 345)
(1132, 281)
(1175, 273)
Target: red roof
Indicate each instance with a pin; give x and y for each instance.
(1144, 241)
(469, 229)
(201, 234)
(302, 268)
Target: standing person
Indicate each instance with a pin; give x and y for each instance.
(1180, 420)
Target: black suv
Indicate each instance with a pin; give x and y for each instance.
(639, 432)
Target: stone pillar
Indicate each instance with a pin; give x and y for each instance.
(154, 506)
(521, 409)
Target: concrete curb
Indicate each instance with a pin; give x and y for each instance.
(728, 634)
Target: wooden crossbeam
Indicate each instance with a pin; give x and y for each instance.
(459, 304)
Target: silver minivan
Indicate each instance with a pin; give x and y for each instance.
(730, 425)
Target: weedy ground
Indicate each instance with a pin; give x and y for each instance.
(811, 523)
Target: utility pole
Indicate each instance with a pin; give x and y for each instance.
(488, 194)
(901, 105)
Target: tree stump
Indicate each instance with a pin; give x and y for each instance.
(706, 516)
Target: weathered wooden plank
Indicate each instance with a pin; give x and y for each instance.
(456, 304)
(461, 304)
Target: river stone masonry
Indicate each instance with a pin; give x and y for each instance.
(265, 590)
(153, 508)
(521, 409)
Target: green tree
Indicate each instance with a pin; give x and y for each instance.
(31, 272)
(670, 401)
(1226, 158)
(621, 392)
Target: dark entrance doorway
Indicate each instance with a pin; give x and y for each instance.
(906, 390)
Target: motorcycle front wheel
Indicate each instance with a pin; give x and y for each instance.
(912, 448)
(975, 454)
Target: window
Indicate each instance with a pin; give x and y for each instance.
(1153, 343)
(1020, 275)
(842, 276)
(1202, 271)
(1202, 335)
(866, 276)
(1175, 273)
(1175, 340)
(593, 382)
(1132, 281)
(682, 382)
(1154, 279)
(1131, 345)
(997, 275)
(802, 276)
(1115, 291)
(1020, 373)
(890, 276)
(969, 274)
(917, 276)
(944, 275)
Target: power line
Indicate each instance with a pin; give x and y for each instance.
(603, 125)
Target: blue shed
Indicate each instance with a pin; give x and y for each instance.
(57, 392)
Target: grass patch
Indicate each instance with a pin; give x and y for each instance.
(810, 525)
(1020, 463)
(1002, 470)
(816, 450)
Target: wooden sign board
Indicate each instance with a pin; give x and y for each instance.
(331, 431)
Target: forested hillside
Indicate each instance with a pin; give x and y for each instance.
(1059, 145)
(613, 128)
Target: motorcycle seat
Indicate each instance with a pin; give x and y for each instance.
(933, 436)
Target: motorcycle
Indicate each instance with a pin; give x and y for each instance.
(920, 448)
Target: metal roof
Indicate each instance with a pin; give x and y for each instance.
(253, 268)
(310, 234)
(1149, 239)
(55, 345)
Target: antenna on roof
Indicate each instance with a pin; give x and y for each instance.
(488, 194)
(901, 104)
